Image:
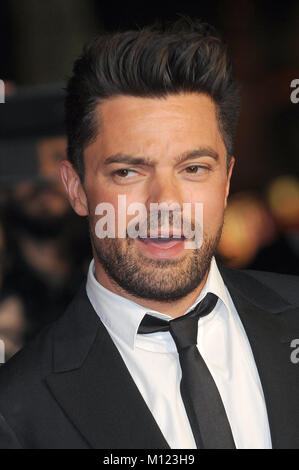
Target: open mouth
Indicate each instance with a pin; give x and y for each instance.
(162, 246)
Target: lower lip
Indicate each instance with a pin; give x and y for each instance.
(169, 249)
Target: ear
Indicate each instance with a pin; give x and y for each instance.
(74, 188)
(229, 174)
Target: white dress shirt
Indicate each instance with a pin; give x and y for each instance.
(153, 363)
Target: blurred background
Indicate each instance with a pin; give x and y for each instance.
(44, 246)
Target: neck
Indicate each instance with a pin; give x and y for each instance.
(174, 308)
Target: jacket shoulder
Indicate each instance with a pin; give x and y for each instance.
(35, 359)
(286, 285)
(25, 398)
(22, 389)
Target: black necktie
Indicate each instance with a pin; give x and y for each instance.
(199, 392)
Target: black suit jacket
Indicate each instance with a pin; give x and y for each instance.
(69, 388)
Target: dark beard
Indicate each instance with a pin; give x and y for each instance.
(162, 280)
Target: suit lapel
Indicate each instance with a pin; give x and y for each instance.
(96, 390)
(264, 316)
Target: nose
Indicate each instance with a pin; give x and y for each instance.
(164, 189)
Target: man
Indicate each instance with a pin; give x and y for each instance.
(162, 348)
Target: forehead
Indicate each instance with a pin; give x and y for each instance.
(149, 125)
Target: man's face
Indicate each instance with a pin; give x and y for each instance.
(152, 151)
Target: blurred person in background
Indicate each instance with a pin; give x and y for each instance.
(41, 270)
(45, 242)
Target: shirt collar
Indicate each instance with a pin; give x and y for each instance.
(122, 316)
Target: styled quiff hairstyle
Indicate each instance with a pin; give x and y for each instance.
(153, 62)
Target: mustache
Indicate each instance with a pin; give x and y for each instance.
(159, 222)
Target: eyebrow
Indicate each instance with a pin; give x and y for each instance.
(145, 161)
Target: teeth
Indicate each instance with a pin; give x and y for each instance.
(168, 237)
(163, 239)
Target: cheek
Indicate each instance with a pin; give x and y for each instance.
(120, 202)
(213, 207)
(98, 195)
(213, 214)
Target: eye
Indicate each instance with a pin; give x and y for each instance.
(195, 169)
(124, 172)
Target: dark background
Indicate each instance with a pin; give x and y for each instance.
(44, 247)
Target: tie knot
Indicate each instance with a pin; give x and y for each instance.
(184, 332)
(183, 329)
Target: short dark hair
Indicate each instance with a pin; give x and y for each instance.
(155, 61)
